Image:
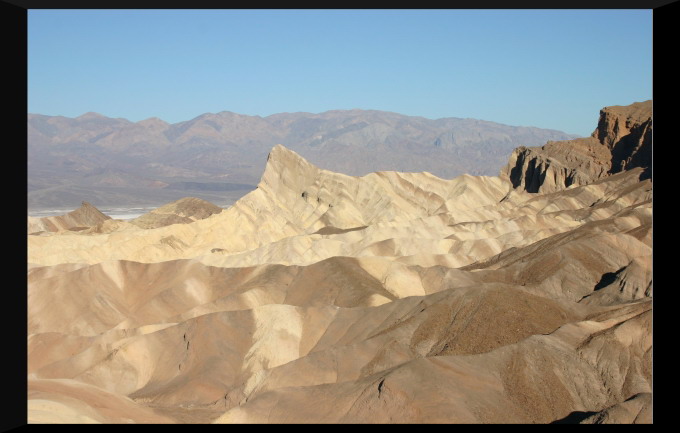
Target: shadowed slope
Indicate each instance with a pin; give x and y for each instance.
(320, 297)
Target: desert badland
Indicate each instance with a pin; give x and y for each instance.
(220, 157)
(393, 297)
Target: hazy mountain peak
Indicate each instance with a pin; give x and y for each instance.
(154, 118)
(153, 121)
(91, 115)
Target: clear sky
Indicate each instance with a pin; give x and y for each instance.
(545, 68)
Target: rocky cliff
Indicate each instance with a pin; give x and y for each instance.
(621, 141)
(627, 132)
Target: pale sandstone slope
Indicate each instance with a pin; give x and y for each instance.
(635, 410)
(67, 401)
(320, 297)
(182, 211)
(293, 198)
(82, 218)
(418, 217)
(538, 380)
(225, 360)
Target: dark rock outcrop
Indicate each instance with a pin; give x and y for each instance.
(627, 132)
(621, 141)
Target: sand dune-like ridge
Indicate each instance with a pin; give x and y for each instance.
(80, 219)
(326, 298)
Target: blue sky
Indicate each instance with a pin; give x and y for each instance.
(545, 68)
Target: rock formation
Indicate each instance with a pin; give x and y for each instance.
(220, 157)
(182, 211)
(627, 133)
(387, 298)
(621, 141)
(80, 219)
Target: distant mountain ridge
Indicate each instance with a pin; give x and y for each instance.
(115, 161)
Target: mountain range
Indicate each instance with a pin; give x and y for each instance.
(219, 157)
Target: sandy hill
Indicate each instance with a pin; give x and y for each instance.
(182, 211)
(80, 219)
(321, 297)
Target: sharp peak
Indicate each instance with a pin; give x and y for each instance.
(280, 150)
(280, 154)
(86, 207)
(283, 160)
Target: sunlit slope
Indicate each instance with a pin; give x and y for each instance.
(414, 216)
(321, 297)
